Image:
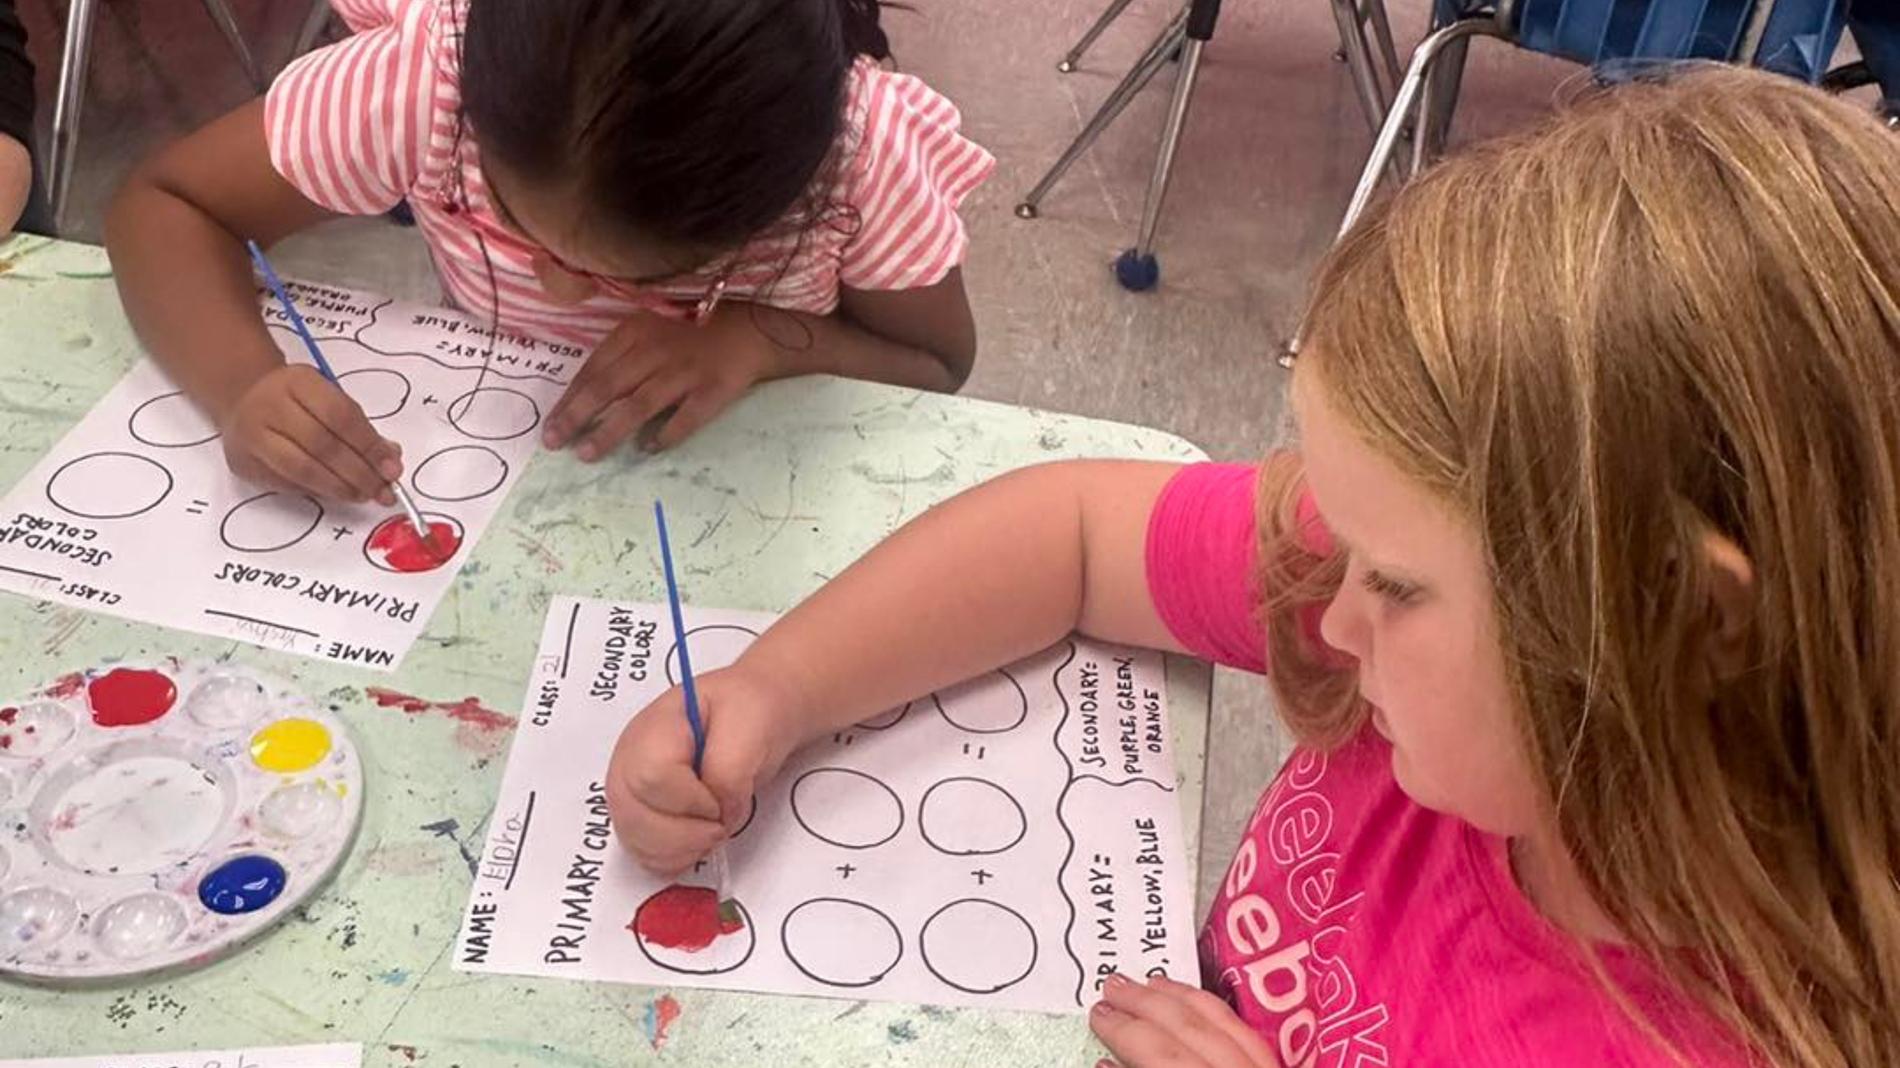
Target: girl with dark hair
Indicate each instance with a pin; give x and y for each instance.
(704, 193)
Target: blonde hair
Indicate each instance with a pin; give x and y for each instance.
(1671, 312)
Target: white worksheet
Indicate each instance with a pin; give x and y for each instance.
(1005, 843)
(340, 1055)
(134, 513)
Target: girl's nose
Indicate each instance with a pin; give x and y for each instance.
(560, 284)
(1344, 623)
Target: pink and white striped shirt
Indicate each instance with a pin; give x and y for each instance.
(374, 120)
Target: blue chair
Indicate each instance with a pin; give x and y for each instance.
(1616, 38)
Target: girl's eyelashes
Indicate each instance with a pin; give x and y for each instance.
(1391, 589)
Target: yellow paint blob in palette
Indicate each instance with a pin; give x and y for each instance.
(157, 816)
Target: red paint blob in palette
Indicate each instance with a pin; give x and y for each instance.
(127, 697)
(395, 544)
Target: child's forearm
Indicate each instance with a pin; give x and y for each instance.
(805, 344)
(16, 180)
(923, 338)
(187, 287)
(176, 231)
(982, 580)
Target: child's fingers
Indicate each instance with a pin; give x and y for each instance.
(1141, 1043)
(298, 422)
(665, 845)
(287, 460)
(694, 412)
(343, 417)
(627, 414)
(1220, 1015)
(615, 369)
(1170, 1008)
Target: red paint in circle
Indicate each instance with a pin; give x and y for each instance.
(127, 697)
(685, 917)
(396, 545)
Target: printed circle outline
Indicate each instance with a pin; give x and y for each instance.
(415, 477)
(750, 815)
(937, 700)
(170, 484)
(408, 389)
(466, 400)
(751, 946)
(785, 942)
(872, 724)
(132, 426)
(792, 800)
(461, 540)
(923, 943)
(672, 660)
(923, 806)
(224, 527)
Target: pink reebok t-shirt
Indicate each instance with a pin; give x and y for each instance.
(1355, 928)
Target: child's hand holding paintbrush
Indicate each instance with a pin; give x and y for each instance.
(691, 795)
(295, 425)
(322, 452)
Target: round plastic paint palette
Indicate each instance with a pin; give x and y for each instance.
(156, 816)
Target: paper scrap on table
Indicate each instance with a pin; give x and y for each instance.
(134, 513)
(339, 1055)
(1005, 843)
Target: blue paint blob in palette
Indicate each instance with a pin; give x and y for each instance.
(241, 885)
(161, 815)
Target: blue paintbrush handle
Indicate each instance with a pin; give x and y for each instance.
(290, 310)
(679, 641)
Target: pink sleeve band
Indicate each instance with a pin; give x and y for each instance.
(1201, 557)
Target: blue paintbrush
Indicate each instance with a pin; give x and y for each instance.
(409, 509)
(679, 640)
(693, 721)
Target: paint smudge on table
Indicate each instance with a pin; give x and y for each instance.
(67, 685)
(392, 977)
(661, 1012)
(901, 1032)
(479, 730)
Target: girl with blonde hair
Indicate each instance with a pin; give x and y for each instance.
(1577, 596)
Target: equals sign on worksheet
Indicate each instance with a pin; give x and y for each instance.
(198, 507)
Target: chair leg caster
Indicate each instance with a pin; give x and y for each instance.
(1137, 273)
(1025, 210)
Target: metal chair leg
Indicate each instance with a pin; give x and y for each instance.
(1359, 63)
(1131, 85)
(70, 102)
(1170, 143)
(220, 12)
(314, 23)
(1402, 104)
(1437, 103)
(1386, 144)
(1136, 268)
(1382, 30)
(1074, 55)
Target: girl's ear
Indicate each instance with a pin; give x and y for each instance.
(1732, 604)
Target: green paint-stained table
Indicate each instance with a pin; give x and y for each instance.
(793, 484)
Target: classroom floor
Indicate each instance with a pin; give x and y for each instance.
(1274, 143)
